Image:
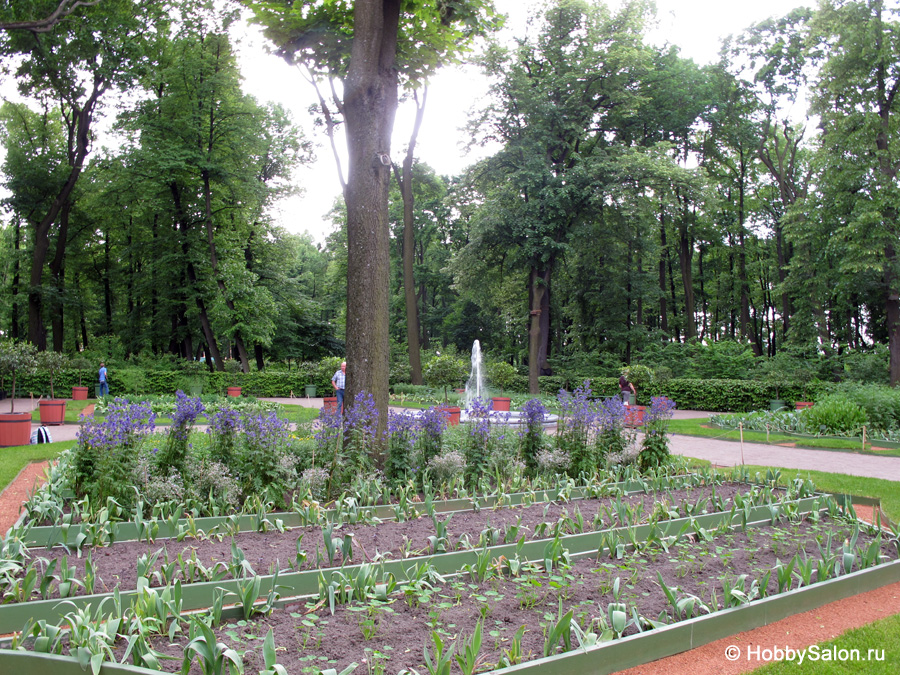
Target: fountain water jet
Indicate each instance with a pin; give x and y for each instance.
(475, 384)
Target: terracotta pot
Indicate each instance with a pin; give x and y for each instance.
(15, 429)
(800, 405)
(501, 404)
(330, 403)
(634, 415)
(53, 412)
(451, 413)
(234, 392)
(79, 393)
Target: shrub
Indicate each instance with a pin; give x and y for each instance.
(501, 375)
(655, 446)
(880, 403)
(446, 467)
(531, 436)
(837, 414)
(445, 371)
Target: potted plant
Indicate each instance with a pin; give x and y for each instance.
(53, 411)
(501, 375)
(195, 373)
(16, 358)
(80, 364)
(777, 370)
(233, 367)
(446, 371)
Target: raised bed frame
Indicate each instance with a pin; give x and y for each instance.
(606, 658)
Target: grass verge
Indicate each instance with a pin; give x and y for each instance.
(873, 649)
(695, 427)
(13, 460)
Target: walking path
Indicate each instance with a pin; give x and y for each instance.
(718, 451)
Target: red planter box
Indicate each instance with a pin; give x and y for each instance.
(330, 404)
(501, 404)
(79, 393)
(634, 415)
(234, 392)
(451, 413)
(15, 429)
(800, 405)
(53, 412)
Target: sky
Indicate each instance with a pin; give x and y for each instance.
(695, 26)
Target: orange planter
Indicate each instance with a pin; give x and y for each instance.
(79, 393)
(53, 412)
(634, 415)
(451, 413)
(234, 392)
(800, 405)
(330, 403)
(15, 429)
(501, 404)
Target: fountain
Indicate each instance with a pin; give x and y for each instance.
(475, 384)
(476, 389)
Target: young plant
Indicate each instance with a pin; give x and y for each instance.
(469, 660)
(213, 657)
(440, 663)
(560, 630)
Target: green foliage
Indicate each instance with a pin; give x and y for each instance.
(501, 375)
(639, 375)
(837, 414)
(880, 403)
(16, 359)
(445, 370)
(52, 363)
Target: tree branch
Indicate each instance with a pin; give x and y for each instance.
(64, 9)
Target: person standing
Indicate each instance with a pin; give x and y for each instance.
(339, 382)
(626, 388)
(104, 384)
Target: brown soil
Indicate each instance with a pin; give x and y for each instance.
(114, 565)
(355, 632)
(797, 632)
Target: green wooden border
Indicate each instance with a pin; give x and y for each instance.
(50, 535)
(603, 659)
(200, 595)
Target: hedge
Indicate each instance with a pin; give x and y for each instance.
(691, 394)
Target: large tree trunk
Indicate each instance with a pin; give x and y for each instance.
(212, 347)
(663, 307)
(686, 262)
(78, 150)
(58, 275)
(370, 102)
(537, 292)
(214, 262)
(14, 306)
(409, 247)
(892, 312)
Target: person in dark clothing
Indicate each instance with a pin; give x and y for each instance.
(626, 388)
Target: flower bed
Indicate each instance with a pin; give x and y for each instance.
(522, 565)
(566, 591)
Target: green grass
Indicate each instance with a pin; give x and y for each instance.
(694, 427)
(839, 483)
(882, 637)
(13, 460)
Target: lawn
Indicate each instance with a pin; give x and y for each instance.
(881, 637)
(701, 427)
(13, 460)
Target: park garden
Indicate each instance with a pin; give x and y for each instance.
(630, 212)
(256, 544)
